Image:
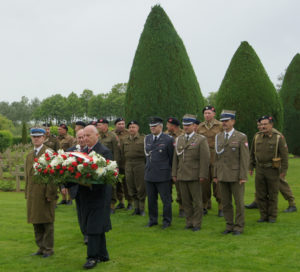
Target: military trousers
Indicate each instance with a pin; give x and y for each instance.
(96, 247)
(79, 215)
(267, 187)
(44, 237)
(286, 192)
(191, 193)
(122, 189)
(235, 189)
(163, 189)
(134, 172)
(206, 189)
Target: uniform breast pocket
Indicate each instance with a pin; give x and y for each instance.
(234, 146)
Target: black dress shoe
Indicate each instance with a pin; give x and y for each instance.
(291, 209)
(226, 231)
(272, 221)
(165, 225)
(69, 202)
(253, 205)
(91, 263)
(46, 255)
(196, 229)
(136, 212)
(63, 202)
(205, 212)
(181, 213)
(220, 213)
(129, 207)
(236, 232)
(261, 220)
(149, 225)
(38, 253)
(120, 206)
(142, 213)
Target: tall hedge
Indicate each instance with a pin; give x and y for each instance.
(247, 89)
(162, 81)
(290, 94)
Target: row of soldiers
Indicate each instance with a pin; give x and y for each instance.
(129, 150)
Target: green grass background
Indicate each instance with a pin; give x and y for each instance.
(132, 247)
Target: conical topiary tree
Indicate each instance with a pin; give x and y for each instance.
(247, 89)
(290, 94)
(24, 133)
(162, 81)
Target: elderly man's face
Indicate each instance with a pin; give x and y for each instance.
(266, 126)
(80, 138)
(133, 129)
(90, 135)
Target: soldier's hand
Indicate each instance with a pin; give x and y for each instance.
(202, 180)
(250, 172)
(174, 179)
(242, 181)
(282, 176)
(215, 180)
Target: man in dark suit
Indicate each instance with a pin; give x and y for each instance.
(73, 189)
(95, 205)
(159, 154)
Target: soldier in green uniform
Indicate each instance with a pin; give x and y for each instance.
(174, 130)
(65, 142)
(110, 140)
(284, 188)
(190, 168)
(41, 199)
(230, 170)
(269, 156)
(122, 188)
(132, 153)
(210, 128)
(51, 140)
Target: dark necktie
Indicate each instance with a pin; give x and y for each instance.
(36, 152)
(187, 138)
(155, 139)
(226, 138)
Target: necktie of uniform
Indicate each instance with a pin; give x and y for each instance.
(35, 152)
(226, 138)
(155, 139)
(187, 138)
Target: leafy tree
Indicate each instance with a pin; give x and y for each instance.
(73, 107)
(95, 106)
(84, 100)
(5, 124)
(162, 80)
(247, 89)
(290, 94)
(211, 98)
(24, 133)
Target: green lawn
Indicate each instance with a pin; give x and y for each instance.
(132, 247)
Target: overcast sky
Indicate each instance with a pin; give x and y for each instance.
(60, 46)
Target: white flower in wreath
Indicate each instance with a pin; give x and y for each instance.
(112, 166)
(78, 147)
(56, 161)
(69, 161)
(50, 152)
(79, 167)
(42, 160)
(100, 171)
(61, 152)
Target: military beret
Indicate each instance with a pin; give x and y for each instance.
(37, 132)
(266, 117)
(154, 121)
(46, 125)
(227, 115)
(132, 122)
(173, 121)
(197, 122)
(103, 121)
(80, 123)
(93, 123)
(209, 108)
(119, 120)
(188, 119)
(64, 126)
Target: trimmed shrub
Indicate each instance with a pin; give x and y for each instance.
(5, 139)
(162, 81)
(247, 89)
(290, 94)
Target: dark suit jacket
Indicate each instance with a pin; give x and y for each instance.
(95, 207)
(159, 157)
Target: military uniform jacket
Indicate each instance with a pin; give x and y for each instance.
(39, 209)
(52, 142)
(109, 139)
(191, 159)
(159, 156)
(132, 149)
(265, 150)
(65, 141)
(95, 201)
(210, 133)
(232, 158)
(121, 135)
